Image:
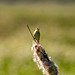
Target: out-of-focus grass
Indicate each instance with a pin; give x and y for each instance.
(57, 27)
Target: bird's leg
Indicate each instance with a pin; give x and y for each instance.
(37, 41)
(34, 39)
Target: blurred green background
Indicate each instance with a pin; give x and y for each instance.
(56, 21)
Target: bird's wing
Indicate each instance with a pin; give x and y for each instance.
(36, 35)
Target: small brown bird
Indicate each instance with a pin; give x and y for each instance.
(36, 35)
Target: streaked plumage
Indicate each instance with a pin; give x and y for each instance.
(36, 35)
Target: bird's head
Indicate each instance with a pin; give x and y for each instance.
(37, 29)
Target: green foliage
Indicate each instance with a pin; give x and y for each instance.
(57, 27)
